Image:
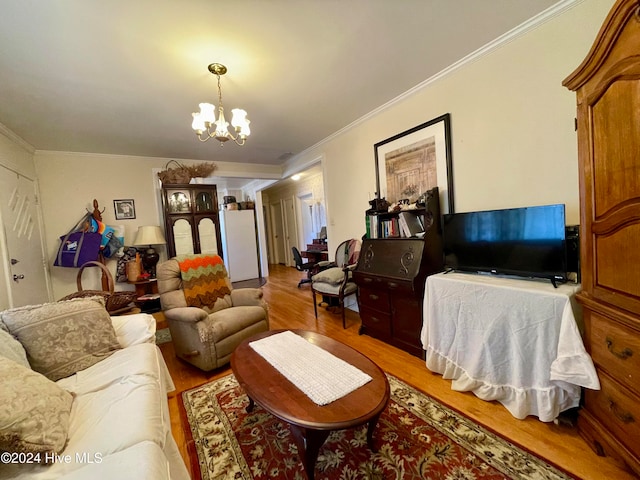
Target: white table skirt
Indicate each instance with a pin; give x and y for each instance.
(512, 340)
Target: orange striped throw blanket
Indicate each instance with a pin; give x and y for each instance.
(204, 279)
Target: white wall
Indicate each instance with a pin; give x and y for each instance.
(69, 182)
(512, 121)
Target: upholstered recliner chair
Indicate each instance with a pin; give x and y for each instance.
(207, 317)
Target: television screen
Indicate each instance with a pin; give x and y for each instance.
(528, 241)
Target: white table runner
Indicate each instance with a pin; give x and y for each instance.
(321, 376)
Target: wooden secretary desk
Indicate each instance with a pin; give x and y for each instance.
(391, 275)
(607, 84)
(191, 219)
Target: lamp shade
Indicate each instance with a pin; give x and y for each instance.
(149, 235)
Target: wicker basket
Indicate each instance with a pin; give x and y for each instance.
(177, 175)
(181, 174)
(115, 302)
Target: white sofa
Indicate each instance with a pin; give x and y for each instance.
(118, 425)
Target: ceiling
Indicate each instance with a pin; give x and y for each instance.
(123, 76)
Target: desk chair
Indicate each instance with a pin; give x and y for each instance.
(309, 268)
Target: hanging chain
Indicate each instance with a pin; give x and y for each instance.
(219, 92)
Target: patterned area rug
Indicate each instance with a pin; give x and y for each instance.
(416, 438)
(163, 336)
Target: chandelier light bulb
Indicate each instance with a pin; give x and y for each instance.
(240, 122)
(208, 113)
(198, 123)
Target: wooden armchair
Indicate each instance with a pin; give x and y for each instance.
(337, 281)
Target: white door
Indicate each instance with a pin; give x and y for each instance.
(291, 228)
(23, 260)
(278, 233)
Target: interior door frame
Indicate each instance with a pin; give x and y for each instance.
(6, 279)
(290, 230)
(304, 200)
(276, 211)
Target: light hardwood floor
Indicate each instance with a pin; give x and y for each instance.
(292, 307)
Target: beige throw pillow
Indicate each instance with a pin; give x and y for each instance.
(333, 276)
(12, 349)
(65, 337)
(34, 411)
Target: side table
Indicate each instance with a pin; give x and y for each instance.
(513, 340)
(144, 287)
(147, 292)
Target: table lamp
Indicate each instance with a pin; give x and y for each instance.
(149, 235)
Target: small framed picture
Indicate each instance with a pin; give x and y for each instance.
(125, 209)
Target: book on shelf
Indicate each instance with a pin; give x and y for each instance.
(405, 224)
(372, 226)
(389, 228)
(410, 224)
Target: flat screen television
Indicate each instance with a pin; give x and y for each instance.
(527, 241)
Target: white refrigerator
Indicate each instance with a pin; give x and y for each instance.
(239, 244)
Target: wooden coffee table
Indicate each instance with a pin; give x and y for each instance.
(309, 422)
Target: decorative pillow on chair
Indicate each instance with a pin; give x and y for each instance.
(65, 337)
(333, 276)
(34, 411)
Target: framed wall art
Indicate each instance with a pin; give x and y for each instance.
(125, 209)
(414, 161)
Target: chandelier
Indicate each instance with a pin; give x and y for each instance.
(205, 119)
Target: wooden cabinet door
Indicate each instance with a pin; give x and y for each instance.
(191, 219)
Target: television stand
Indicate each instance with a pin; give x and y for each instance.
(512, 340)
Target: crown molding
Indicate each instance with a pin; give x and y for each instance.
(522, 29)
(4, 130)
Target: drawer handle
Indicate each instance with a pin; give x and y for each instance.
(375, 319)
(373, 297)
(367, 280)
(392, 284)
(623, 417)
(623, 355)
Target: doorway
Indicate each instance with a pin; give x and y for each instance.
(305, 206)
(291, 226)
(24, 269)
(278, 232)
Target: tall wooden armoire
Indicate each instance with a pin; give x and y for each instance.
(607, 84)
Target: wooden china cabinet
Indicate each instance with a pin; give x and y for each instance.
(607, 84)
(191, 219)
